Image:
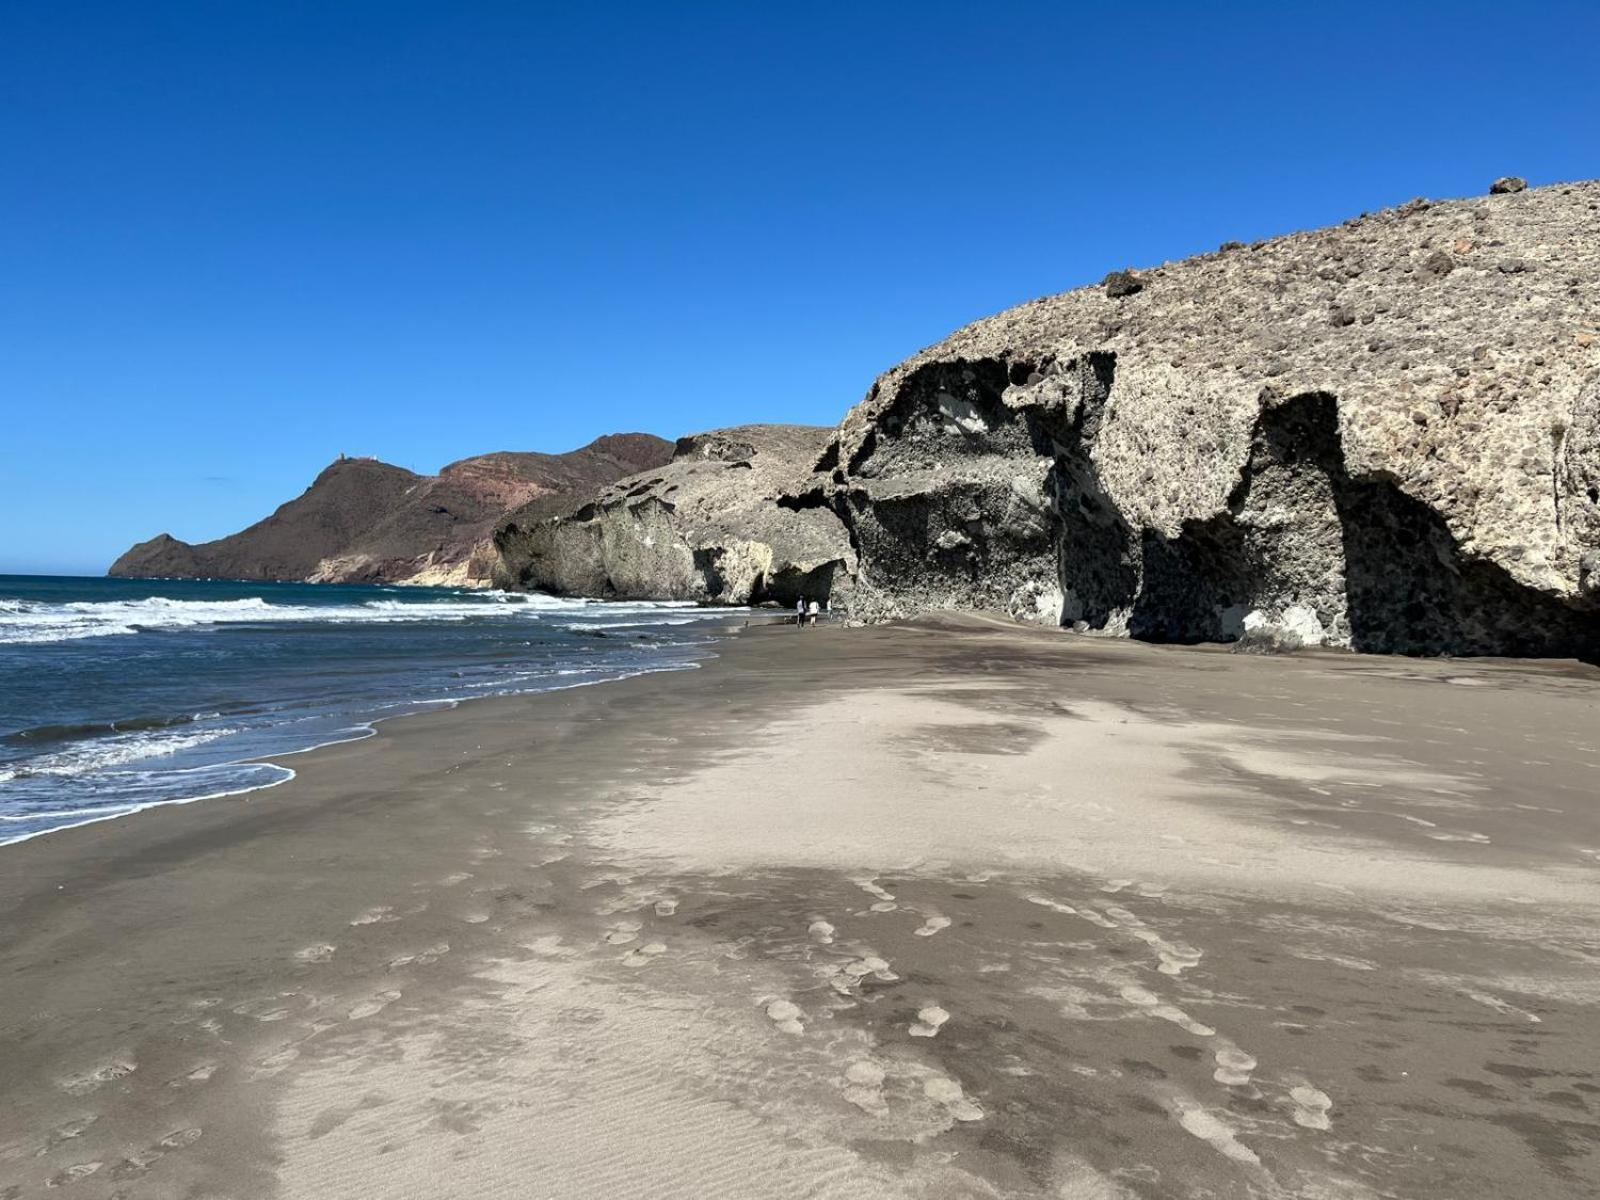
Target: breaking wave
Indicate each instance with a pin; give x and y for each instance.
(31, 622)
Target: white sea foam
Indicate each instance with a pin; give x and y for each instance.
(91, 816)
(25, 622)
(113, 752)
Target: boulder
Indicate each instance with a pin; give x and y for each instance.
(1224, 457)
(1507, 184)
(719, 524)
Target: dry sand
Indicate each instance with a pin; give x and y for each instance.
(948, 909)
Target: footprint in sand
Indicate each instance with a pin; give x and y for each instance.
(65, 1133)
(199, 1073)
(1311, 1107)
(646, 953)
(1501, 1006)
(1198, 1122)
(264, 1008)
(884, 906)
(864, 1086)
(623, 932)
(73, 1174)
(1053, 905)
(116, 1068)
(1233, 1067)
(137, 1164)
(871, 888)
(319, 953)
(931, 926)
(870, 964)
(1151, 1003)
(666, 908)
(950, 1094)
(821, 931)
(930, 1019)
(374, 916)
(266, 1068)
(785, 1014)
(374, 1006)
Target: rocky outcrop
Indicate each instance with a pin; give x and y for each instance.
(366, 521)
(1384, 435)
(709, 526)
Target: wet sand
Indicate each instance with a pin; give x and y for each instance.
(947, 909)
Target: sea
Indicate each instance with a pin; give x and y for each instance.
(120, 694)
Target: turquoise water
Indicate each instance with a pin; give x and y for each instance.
(117, 694)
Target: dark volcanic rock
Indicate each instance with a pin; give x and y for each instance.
(366, 521)
(717, 524)
(1507, 184)
(1122, 283)
(1223, 457)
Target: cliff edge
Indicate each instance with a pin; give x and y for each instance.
(1383, 435)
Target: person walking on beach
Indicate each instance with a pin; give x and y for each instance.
(800, 611)
(816, 612)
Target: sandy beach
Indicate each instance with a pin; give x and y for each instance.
(951, 908)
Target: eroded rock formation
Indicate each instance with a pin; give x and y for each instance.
(708, 526)
(1384, 435)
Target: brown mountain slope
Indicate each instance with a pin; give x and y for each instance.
(367, 521)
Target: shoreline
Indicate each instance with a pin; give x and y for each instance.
(945, 908)
(363, 728)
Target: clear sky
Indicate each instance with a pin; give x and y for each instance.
(239, 238)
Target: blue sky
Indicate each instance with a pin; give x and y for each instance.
(237, 239)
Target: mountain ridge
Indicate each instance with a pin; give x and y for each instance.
(362, 520)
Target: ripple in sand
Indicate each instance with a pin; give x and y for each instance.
(374, 916)
(319, 953)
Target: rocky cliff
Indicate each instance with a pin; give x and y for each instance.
(366, 521)
(1384, 435)
(709, 526)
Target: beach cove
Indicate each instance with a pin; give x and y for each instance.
(945, 908)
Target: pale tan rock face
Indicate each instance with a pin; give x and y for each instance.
(708, 527)
(1388, 431)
